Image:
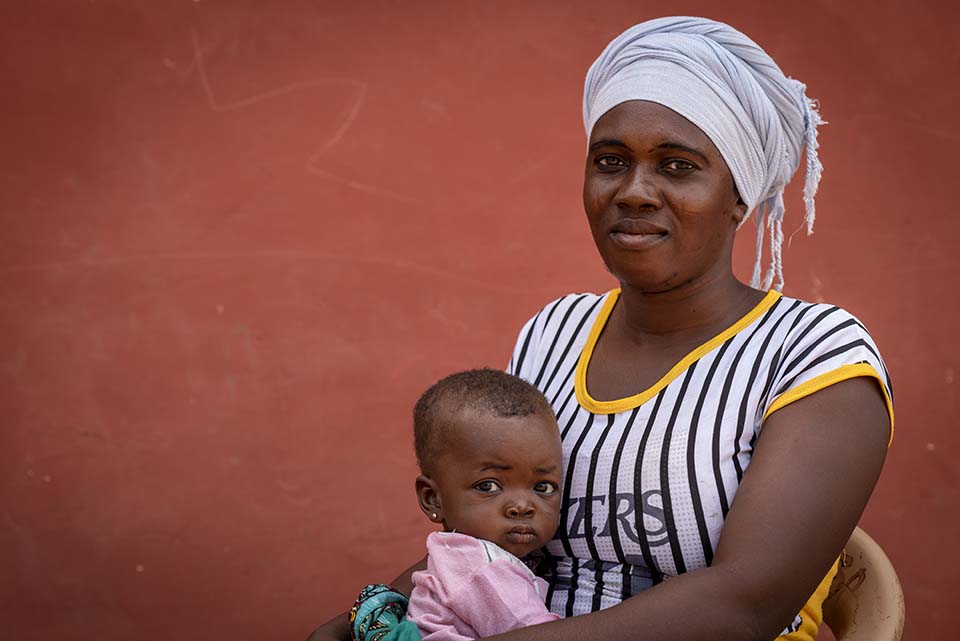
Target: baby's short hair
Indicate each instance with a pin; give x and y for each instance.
(484, 390)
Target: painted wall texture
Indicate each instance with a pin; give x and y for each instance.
(240, 238)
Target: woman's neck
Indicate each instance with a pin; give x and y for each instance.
(691, 313)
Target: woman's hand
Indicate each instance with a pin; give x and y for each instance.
(336, 629)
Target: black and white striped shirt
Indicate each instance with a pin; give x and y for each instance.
(649, 479)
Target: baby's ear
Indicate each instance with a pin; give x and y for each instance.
(429, 496)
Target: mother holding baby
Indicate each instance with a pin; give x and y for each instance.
(720, 441)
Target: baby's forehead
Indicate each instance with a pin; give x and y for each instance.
(478, 431)
(468, 419)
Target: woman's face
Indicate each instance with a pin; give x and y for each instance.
(660, 200)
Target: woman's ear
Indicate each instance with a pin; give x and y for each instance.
(739, 210)
(429, 496)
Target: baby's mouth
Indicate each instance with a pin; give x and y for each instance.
(521, 534)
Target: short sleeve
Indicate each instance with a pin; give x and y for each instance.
(499, 597)
(831, 346)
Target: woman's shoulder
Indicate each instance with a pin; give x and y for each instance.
(561, 312)
(569, 315)
(823, 344)
(815, 321)
(570, 301)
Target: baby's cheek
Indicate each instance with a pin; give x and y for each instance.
(552, 512)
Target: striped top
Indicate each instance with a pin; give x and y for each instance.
(650, 478)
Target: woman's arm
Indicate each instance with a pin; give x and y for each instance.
(404, 582)
(808, 482)
(338, 628)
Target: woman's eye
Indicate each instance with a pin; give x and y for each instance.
(679, 166)
(545, 487)
(487, 486)
(608, 162)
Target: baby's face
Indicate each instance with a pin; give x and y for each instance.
(499, 478)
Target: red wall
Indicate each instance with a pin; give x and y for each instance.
(240, 238)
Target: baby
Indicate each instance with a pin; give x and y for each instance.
(489, 452)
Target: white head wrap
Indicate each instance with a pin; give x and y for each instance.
(721, 81)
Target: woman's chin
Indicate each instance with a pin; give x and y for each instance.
(654, 281)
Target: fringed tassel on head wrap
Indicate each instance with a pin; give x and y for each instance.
(761, 216)
(774, 276)
(773, 215)
(725, 84)
(814, 168)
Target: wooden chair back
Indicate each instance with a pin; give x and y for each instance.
(865, 602)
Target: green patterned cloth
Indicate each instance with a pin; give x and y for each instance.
(379, 614)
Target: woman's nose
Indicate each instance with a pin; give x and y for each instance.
(638, 189)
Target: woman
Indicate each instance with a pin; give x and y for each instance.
(715, 435)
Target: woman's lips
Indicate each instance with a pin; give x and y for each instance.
(636, 241)
(636, 233)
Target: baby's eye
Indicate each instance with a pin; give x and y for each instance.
(545, 487)
(488, 487)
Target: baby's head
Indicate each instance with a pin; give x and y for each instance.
(489, 452)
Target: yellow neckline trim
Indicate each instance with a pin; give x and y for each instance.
(623, 404)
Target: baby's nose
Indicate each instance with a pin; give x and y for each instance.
(520, 508)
